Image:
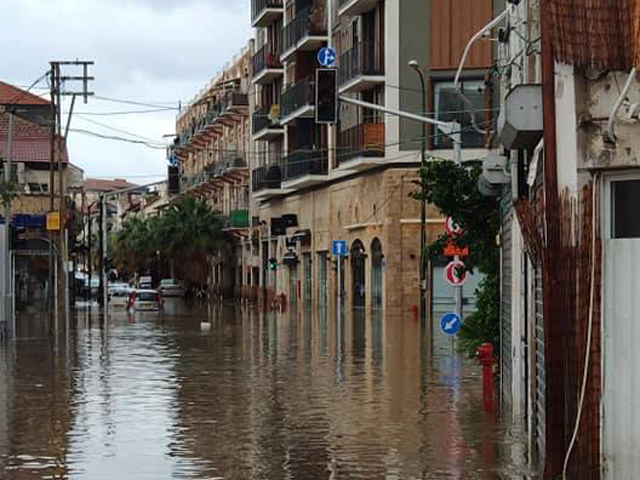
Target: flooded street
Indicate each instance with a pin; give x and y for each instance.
(225, 392)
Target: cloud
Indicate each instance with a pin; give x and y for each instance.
(152, 51)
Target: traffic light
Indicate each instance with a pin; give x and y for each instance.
(174, 179)
(326, 95)
(273, 264)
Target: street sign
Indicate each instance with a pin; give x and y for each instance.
(452, 250)
(326, 56)
(452, 228)
(53, 221)
(339, 248)
(451, 324)
(454, 274)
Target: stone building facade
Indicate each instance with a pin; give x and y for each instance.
(354, 181)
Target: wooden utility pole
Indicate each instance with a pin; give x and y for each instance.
(57, 82)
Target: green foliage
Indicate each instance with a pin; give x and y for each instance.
(184, 236)
(8, 192)
(453, 190)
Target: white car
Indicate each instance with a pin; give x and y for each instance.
(119, 298)
(171, 288)
(145, 300)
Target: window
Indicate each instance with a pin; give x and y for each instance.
(322, 280)
(625, 199)
(450, 106)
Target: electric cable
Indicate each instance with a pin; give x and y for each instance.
(587, 355)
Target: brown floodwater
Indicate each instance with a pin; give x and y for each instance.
(225, 392)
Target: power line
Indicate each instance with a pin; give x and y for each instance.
(117, 130)
(125, 112)
(116, 138)
(133, 102)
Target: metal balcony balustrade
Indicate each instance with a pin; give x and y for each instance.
(234, 100)
(267, 57)
(297, 96)
(266, 177)
(360, 60)
(238, 218)
(311, 21)
(259, 6)
(363, 140)
(261, 119)
(307, 161)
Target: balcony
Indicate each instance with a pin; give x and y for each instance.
(201, 183)
(266, 182)
(298, 101)
(264, 12)
(266, 123)
(355, 7)
(266, 65)
(361, 67)
(361, 147)
(307, 31)
(238, 219)
(305, 168)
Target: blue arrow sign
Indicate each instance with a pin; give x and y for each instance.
(451, 324)
(326, 56)
(339, 248)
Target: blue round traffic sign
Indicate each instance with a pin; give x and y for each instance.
(326, 56)
(451, 324)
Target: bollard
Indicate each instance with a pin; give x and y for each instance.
(487, 360)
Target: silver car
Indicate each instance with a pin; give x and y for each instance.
(169, 287)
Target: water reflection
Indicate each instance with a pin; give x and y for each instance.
(226, 392)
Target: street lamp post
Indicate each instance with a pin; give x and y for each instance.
(423, 203)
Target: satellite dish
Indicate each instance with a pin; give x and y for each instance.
(488, 189)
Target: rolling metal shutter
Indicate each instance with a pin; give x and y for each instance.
(505, 298)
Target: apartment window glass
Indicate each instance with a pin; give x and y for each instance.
(322, 280)
(450, 107)
(625, 201)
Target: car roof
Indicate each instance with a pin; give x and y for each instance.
(145, 290)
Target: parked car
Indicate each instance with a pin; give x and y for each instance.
(145, 300)
(117, 286)
(169, 287)
(145, 283)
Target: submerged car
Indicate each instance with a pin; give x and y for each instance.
(169, 287)
(145, 300)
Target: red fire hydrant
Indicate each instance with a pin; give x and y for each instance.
(487, 360)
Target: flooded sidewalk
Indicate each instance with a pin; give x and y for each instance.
(227, 393)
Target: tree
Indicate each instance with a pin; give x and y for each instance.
(453, 189)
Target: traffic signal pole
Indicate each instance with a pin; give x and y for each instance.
(453, 130)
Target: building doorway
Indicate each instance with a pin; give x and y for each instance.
(358, 257)
(376, 274)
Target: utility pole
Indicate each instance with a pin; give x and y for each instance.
(57, 81)
(7, 303)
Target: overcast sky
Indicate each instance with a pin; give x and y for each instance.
(159, 52)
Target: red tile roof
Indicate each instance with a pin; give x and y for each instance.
(10, 95)
(99, 185)
(31, 142)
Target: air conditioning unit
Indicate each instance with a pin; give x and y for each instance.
(21, 175)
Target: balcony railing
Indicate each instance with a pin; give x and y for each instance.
(303, 162)
(299, 95)
(266, 177)
(234, 99)
(311, 21)
(361, 59)
(238, 219)
(264, 118)
(363, 140)
(259, 6)
(266, 57)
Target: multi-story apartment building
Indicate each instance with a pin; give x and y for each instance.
(353, 181)
(213, 140)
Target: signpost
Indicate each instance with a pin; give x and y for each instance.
(451, 323)
(452, 274)
(339, 250)
(327, 57)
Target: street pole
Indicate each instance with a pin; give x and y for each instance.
(89, 261)
(423, 203)
(457, 158)
(100, 251)
(7, 303)
(339, 313)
